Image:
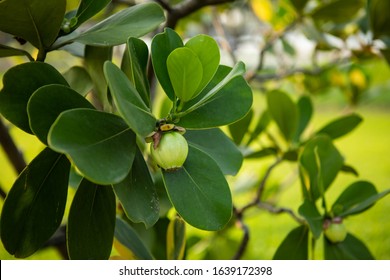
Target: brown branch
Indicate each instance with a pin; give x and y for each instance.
(245, 239)
(279, 210)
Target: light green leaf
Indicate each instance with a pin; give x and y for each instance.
(35, 205)
(295, 246)
(350, 249)
(128, 101)
(91, 222)
(199, 192)
(185, 72)
(310, 212)
(176, 239)
(341, 126)
(100, 144)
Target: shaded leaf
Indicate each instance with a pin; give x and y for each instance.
(261, 125)
(315, 220)
(378, 17)
(91, 222)
(79, 79)
(20, 82)
(338, 11)
(239, 129)
(89, 8)
(341, 126)
(8, 51)
(35, 205)
(349, 169)
(128, 101)
(199, 192)
(100, 144)
(294, 246)
(176, 239)
(299, 5)
(305, 111)
(269, 151)
(350, 249)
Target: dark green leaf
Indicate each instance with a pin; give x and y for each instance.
(129, 238)
(79, 80)
(47, 103)
(138, 195)
(36, 21)
(20, 82)
(34, 207)
(262, 124)
(239, 129)
(305, 111)
(89, 8)
(8, 51)
(176, 239)
(310, 212)
(341, 126)
(284, 112)
(357, 198)
(349, 169)
(269, 151)
(134, 64)
(299, 5)
(128, 101)
(162, 45)
(199, 192)
(218, 146)
(295, 246)
(338, 11)
(91, 222)
(320, 163)
(100, 144)
(350, 249)
(379, 18)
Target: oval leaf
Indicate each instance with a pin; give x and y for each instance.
(34, 207)
(138, 195)
(20, 82)
(350, 249)
(47, 103)
(199, 192)
(341, 126)
(239, 129)
(89, 8)
(176, 239)
(309, 210)
(295, 246)
(79, 80)
(128, 102)
(185, 71)
(91, 222)
(305, 111)
(100, 144)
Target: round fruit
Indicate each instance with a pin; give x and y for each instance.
(171, 151)
(336, 232)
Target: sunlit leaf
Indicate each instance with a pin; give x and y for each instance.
(294, 246)
(176, 239)
(341, 126)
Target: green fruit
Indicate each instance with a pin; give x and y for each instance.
(171, 151)
(336, 232)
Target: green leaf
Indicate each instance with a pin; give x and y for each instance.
(138, 195)
(100, 144)
(305, 111)
(8, 51)
(349, 169)
(218, 146)
(79, 80)
(261, 125)
(320, 163)
(134, 64)
(310, 212)
(199, 192)
(357, 198)
(20, 82)
(129, 238)
(134, 21)
(295, 246)
(36, 21)
(35, 205)
(269, 151)
(89, 8)
(226, 99)
(284, 112)
(176, 239)
(128, 101)
(350, 249)
(379, 19)
(239, 129)
(162, 45)
(207, 50)
(47, 103)
(337, 11)
(185, 71)
(299, 5)
(341, 126)
(91, 222)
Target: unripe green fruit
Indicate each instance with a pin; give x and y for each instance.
(171, 151)
(336, 232)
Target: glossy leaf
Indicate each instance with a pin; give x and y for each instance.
(350, 249)
(379, 19)
(207, 50)
(305, 111)
(128, 101)
(100, 144)
(218, 146)
(310, 212)
(320, 163)
(284, 112)
(261, 125)
(20, 82)
(35, 205)
(79, 80)
(138, 195)
(162, 45)
(341, 126)
(91, 222)
(47, 103)
(36, 21)
(357, 198)
(294, 246)
(134, 21)
(89, 8)
(176, 239)
(129, 238)
(199, 192)
(239, 129)
(134, 64)
(185, 72)
(337, 11)
(225, 100)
